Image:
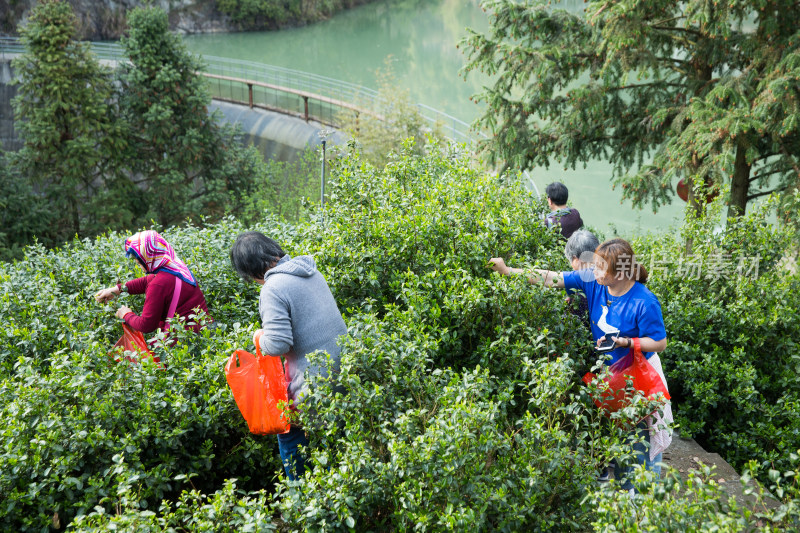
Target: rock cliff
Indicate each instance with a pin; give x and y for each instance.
(105, 19)
(100, 20)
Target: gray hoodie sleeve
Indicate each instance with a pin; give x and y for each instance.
(276, 322)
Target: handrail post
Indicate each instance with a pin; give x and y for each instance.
(323, 135)
(305, 101)
(250, 94)
(322, 181)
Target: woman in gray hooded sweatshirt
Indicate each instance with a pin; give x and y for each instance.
(299, 316)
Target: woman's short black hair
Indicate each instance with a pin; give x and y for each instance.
(253, 254)
(557, 192)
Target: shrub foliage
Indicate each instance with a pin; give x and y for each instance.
(273, 14)
(731, 312)
(458, 404)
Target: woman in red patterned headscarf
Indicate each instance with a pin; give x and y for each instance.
(169, 287)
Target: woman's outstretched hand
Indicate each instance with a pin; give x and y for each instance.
(499, 265)
(106, 295)
(122, 311)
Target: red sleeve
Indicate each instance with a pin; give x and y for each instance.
(157, 297)
(139, 285)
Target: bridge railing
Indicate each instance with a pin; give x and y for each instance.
(302, 94)
(10, 46)
(310, 95)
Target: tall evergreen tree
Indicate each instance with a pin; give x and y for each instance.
(705, 90)
(185, 161)
(65, 118)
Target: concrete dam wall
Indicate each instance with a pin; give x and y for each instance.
(277, 136)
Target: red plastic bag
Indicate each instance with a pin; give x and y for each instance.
(132, 342)
(258, 386)
(633, 366)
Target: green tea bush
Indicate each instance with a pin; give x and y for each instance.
(228, 510)
(696, 503)
(69, 410)
(458, 403)
(730, 311)
(408, 445)
(437, 347)
(418, 235)
(173, 429)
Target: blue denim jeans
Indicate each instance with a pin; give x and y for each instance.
(641, 451)
(294, 464)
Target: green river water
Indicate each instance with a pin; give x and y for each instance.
(421, 37)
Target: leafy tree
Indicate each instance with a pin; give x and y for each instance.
(703, 90)
(65, 118)
(286, 189)
(391, 117)
(253, 14)
(186, 162)
(259, 14)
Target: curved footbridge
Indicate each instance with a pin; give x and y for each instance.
(281, 111)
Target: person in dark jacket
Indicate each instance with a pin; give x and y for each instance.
(169, 287)
(299, 316)
(567, 218)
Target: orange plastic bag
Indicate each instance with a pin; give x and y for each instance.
(132, 342)
(633, 366)
(258, 386)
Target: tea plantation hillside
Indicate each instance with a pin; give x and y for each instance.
(459, 402)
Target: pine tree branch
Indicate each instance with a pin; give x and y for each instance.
(764, 175)
(197, 195)
(597, 13)
(653, 84)
(673, 19)
(791, 159)
(759, 195)
(680, 30)
(671, 60)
